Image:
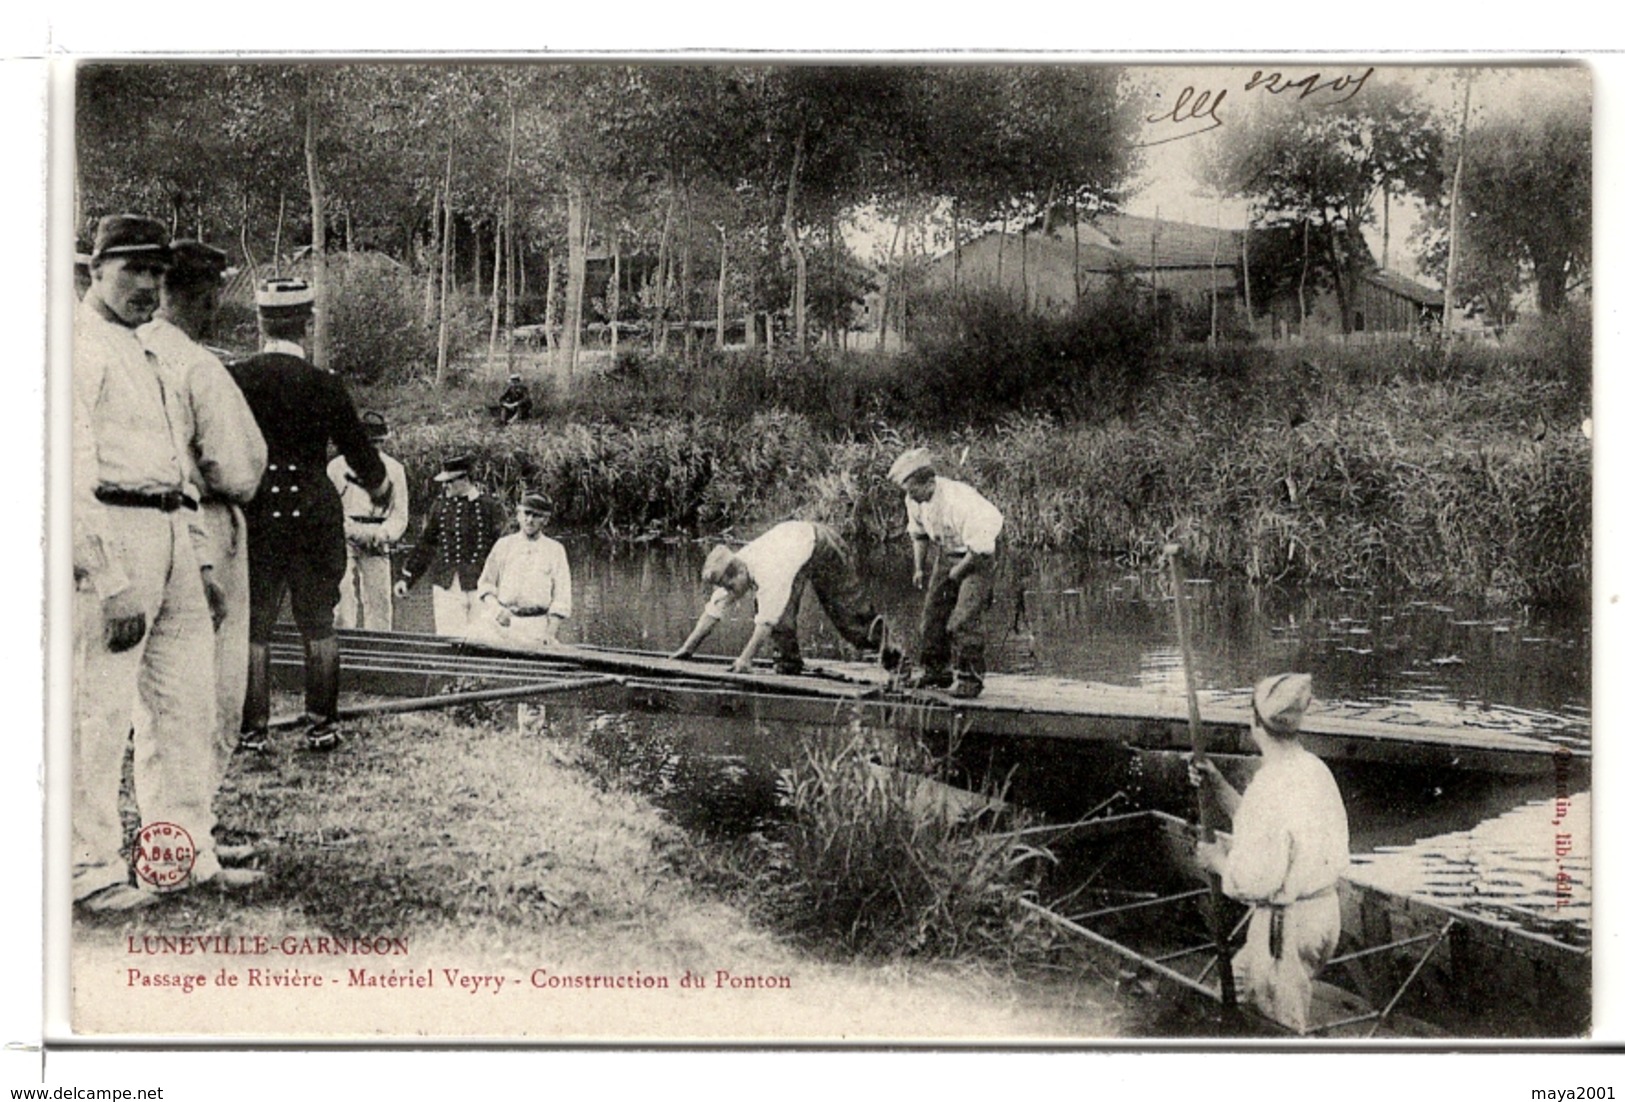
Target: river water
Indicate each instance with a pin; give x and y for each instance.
(1490, 844)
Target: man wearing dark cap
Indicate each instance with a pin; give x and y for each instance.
(225, 459)
(515, 403)
(371, 531)
(464, 524)
(296, 524)
(142, 617)
(525, 586)
(1288, 848)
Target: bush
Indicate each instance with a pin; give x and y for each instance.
(978, 355)
(377, 332)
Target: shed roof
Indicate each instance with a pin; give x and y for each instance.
(1178, 244)
(1404, 287)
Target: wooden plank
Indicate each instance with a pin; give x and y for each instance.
(1012, 706)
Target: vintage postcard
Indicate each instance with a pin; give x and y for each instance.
(795, 552)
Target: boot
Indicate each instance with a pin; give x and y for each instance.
(322, 692)
(257, 701)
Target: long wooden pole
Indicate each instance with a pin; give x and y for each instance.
(1204, 800)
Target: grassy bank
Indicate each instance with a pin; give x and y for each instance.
(500, 851)
(1352, 467)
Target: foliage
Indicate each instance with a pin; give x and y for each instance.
(1324, 161)
(1526, 197)
(377, 327)
(876, 859)
(978, 355)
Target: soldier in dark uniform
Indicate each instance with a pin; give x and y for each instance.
(295, 523)
(516, 403)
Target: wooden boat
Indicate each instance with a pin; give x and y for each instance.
(1131, 893)
(1054, 710)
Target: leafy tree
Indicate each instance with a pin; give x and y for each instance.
(1526, 198)
(1324, 162)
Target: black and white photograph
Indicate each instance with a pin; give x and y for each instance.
(836, 551)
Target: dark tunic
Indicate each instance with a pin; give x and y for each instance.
(457, 538)
(295, 522)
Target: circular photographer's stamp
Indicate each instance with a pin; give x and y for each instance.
(164, 855)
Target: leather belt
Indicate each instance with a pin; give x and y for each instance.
(525, 611)
(168, 501)
(367, 520)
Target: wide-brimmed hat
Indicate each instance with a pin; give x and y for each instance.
(534, 502)
(131, 235)
(373, 421)
(193, 262)
(910, 463)
(1281, 700)
(285, 298)
(716, 564)
(454, 468)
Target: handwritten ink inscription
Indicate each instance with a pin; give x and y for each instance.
(1196, 111)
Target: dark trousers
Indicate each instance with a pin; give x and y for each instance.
(307, 564)
(835, 582)
(951, 631)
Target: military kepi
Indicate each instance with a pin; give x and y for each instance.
(1280, 702)
(130, 235)
(534, 502)
(194, 263)
(910, 463)
(454, 468)
(285, 298)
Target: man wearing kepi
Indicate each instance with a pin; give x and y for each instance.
(777, 567)
(143, 624)
(965, 527)
(464, 524)
(370, 530)
(1289, 847)
(295, 524)
(225, 460)
(525, 586)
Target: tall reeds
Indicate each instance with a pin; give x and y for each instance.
(879, 858)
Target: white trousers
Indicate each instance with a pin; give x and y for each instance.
(455, 611)
(228, 538)
(1283, 988)
(365, 597)
(171, 672)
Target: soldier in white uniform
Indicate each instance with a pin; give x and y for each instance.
(965, 528)
(777, 567)
(525, 586)
(371, 531)
(1289, 847)
(225, 460)
(144, 619)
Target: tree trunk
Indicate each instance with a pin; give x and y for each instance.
(548, 316)
(318, 229)
(956, 241)
(792, 242)
(1455, 209)
(496, 296)
(885, 285)
(443, 349)
(663, 271)
(1303, 284)
(479, 262)
(576, 207)
(432, 259)
(615, 294)
(1077, 257)
(685, 290)
(722, 287)
(276, 241)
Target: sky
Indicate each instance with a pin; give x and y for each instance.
(1168, 183)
